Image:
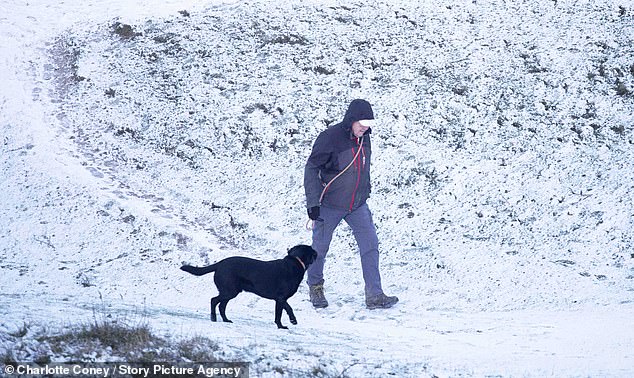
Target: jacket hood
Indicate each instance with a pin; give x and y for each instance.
(357, 110)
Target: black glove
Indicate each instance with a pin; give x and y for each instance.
(313, 213)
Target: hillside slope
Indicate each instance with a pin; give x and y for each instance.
(502, 152)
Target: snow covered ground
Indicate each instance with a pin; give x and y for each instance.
(137, 136)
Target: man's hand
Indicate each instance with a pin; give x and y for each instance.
(313, 213)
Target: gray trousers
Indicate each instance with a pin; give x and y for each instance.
(360, 221)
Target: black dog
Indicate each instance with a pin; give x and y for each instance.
(277, 279)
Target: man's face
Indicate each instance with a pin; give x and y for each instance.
(358, 129)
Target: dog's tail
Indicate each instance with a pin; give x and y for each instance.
(196, 271)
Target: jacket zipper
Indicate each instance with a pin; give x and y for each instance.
(357, 164)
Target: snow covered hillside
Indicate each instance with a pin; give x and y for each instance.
(135, 139)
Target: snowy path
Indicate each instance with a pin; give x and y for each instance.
(518, 343)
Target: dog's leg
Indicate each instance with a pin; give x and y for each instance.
(279, 305)
(290, 313)
(214, 303)
(222, 307)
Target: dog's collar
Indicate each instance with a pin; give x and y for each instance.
(300, 262)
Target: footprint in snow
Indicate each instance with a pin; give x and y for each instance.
(95, 172)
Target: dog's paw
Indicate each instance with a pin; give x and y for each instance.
(293, 321)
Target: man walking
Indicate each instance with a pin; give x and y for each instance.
(337, 185)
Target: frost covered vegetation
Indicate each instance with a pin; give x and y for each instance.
(108, 339)
(502, 181)
(504, 143)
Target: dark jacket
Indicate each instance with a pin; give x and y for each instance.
(333, 150)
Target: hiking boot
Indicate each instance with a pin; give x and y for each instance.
(380, 301)
(317, 297)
